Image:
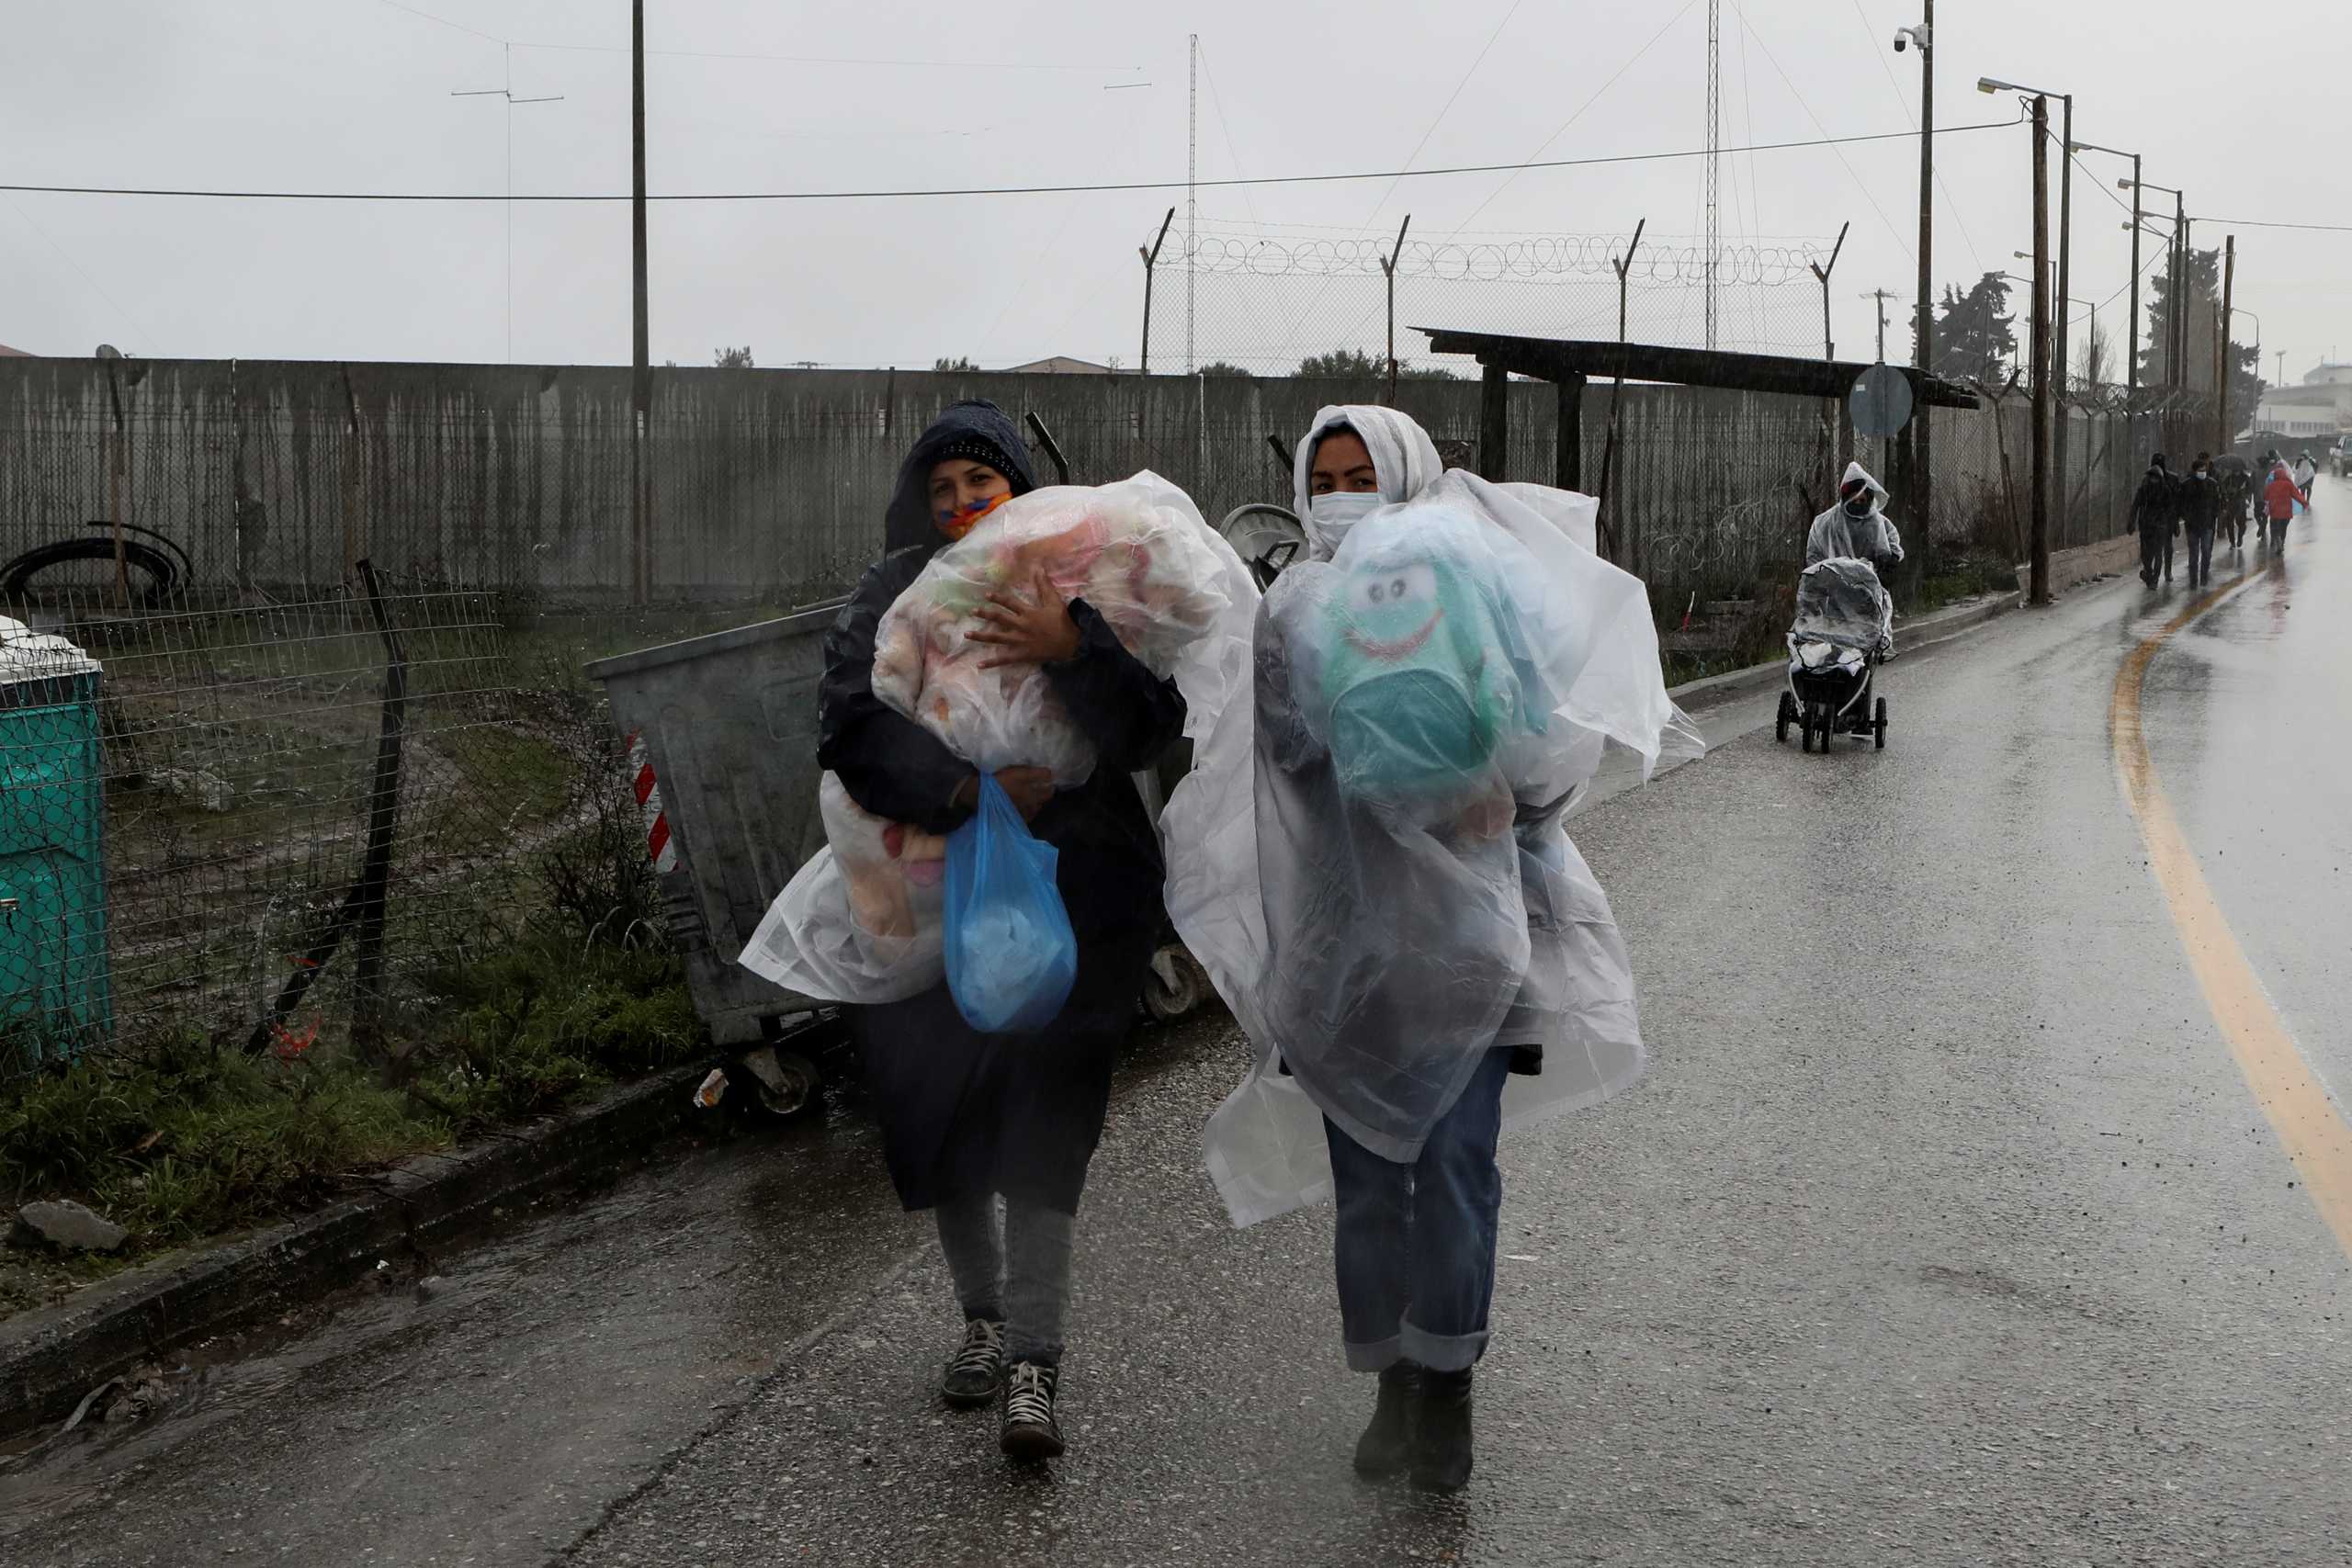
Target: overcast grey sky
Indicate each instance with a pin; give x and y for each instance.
(2237, 105)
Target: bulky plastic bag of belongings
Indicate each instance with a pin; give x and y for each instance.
(860, 923)
(1012, 956)
(1136, 551)
(1368, 857)
(1841, 602)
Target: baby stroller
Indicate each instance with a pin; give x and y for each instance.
(1845, 627)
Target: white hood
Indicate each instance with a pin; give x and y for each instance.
(1403, 457)
(1879, 494)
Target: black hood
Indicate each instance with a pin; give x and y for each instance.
(907, 521)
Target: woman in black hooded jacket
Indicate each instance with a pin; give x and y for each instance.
(966, 1117)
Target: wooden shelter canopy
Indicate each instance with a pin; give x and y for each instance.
(1570, 361)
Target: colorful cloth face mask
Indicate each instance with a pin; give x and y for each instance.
(956, 520)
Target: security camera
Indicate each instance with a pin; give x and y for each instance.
(1905, 36)
(1902, 39)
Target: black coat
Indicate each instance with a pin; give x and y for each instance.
(964, 1113)
(2156, 505)
(2200, 501)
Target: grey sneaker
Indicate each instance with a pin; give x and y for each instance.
(976, 1368)
(1029, 1431)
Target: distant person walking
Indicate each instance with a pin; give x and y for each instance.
(2305, 472)
(2200, 509)
(2279, 496)
(2155, 513)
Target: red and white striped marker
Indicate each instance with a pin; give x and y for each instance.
(658, 847)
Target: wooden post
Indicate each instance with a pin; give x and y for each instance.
(1389, 271)
(119, 461)
(352, 551)
(1568, 459)
(641, 351)
(1494, 421)
(2039, 546)
(1150, 260)
(2223, 434)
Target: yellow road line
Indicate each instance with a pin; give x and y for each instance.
(2307, 1122)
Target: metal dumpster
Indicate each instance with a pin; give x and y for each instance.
(722, 733)
(722, 736)
(55, 986)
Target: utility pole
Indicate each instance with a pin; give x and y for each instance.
(2132, 359)
(1882, 295)
(2037, 591)
(2060, 441)
(2223, 430)
(640, 357)
(1923, 336)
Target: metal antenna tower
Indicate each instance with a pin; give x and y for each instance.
(1192, 190)
(1714, 157)
(507, 93)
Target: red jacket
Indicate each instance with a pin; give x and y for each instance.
(2281, 495)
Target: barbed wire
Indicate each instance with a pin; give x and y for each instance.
(1523, 259)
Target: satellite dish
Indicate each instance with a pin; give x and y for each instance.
(1881, 402)
(1267, 538)
(109, 351)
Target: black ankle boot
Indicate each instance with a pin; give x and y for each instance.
(1387, 1444)
(1440, 1444)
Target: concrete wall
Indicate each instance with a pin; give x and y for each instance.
(769, 484)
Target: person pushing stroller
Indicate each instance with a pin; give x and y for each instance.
(1857, 527)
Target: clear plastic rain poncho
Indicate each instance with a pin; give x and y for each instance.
(1842, 603)
(860, 923)
(1837, 532)
(1368, 857)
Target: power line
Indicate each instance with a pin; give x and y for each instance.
(1899, 242)
(228, 195)
(1951, 205)
(1512, 171)
(1447, 108)
(2257, 223)
(736, 54)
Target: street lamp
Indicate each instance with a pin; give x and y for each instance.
(2039, 557)
(2175, 268)
(2255, 412)
(2131, 351)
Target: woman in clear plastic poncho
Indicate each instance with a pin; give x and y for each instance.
(967, 1118)
(1370, 864)
(1856, 525)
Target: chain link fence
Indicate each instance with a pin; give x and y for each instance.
(274, 792)
(1274, 300)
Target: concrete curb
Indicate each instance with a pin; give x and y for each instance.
(1925, 632)
(49, 1358)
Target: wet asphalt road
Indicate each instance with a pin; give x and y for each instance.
(1942, 1230)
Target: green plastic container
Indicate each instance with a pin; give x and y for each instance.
(56, 994)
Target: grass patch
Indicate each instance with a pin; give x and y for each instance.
(193, 1140)
(1953, 578)
(530, 777)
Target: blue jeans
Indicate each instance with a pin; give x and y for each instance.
(1419, 1238)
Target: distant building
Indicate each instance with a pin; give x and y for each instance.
(1062, 365)
(2319, 409)
(7, 353)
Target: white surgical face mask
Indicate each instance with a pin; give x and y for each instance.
(1328, 517)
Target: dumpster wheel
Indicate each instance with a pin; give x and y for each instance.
(1175, 985)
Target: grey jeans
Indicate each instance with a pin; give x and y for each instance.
(1011, 1266)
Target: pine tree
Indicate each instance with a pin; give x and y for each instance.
(1975, 336)
(2202, 288)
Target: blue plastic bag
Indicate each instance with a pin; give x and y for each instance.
(1012, 956)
